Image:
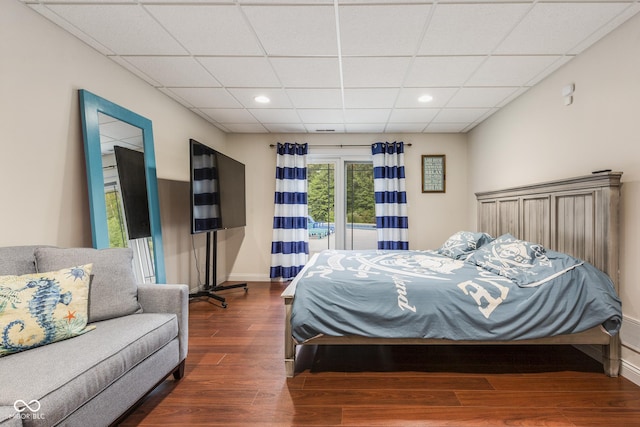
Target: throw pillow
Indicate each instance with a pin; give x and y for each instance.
(41, 308)
(463, 243)
(113, 291)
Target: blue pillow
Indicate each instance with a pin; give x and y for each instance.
(525, 263)
(462, 243)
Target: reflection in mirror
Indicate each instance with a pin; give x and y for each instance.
(125, 193)
(122, 184)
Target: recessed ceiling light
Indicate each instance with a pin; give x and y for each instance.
(425, 98)
(262, 99)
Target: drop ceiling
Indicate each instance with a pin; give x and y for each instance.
(339, 66)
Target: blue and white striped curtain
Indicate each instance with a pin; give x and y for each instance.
(290, 246)
(391, 198)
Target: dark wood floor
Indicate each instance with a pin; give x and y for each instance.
(235, 376)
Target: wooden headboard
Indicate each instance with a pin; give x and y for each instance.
(578, 216)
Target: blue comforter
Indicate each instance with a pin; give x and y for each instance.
(421, 294)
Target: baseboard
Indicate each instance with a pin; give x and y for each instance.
(630, 333)
(630, 372)
(630, 338)
(248, 278)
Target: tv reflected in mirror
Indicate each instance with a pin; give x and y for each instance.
(131, 172)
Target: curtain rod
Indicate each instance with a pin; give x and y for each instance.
(340, 145)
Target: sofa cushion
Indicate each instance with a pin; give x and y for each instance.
(112, 291)
(17, 260)
(42, 308)
(92, 363)
(9, 417)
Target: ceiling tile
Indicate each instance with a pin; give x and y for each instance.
(178, 71)
(360, 2)
(446, 127)
(321, 115)
(285, 128)
(280, 2)
(375, 72)
(433, 71)
(294, 30)
(275, 115)
(246, 97)
(460, 115)
(124, 29)
(413, 115)
(376, 30)
(326, 127)
(366, 115)
(510, 70)
(245, 128)
(408, 97)
(491, 1)
(205, 97)
(365, 128)
(229, 115)
(208, 29)
(470, 29)
(234, 71)
(315, 98)
(170, 1)
(404, 127)
(307, 72)
(471, 97)
(367, 98)
(78, 1)
(555, 28)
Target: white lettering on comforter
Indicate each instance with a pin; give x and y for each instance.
(480, 293)
(401, 288)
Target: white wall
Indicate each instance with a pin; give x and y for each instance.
(537, 138)
(43, 189)
(432, 217)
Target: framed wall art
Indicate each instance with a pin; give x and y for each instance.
(433, 173)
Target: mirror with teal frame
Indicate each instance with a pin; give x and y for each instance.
(93, 110)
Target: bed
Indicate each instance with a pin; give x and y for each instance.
(555, 251)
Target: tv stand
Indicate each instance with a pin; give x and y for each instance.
(210, 290)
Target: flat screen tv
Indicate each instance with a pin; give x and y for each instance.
(133, 185)
(217, 190)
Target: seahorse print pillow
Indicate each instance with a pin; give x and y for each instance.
(42, 308)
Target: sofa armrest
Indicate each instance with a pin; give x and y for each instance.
(168, 299)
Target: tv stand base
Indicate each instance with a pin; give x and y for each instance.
(211, 293)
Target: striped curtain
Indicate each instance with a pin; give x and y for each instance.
(391, 197)
(290, 246)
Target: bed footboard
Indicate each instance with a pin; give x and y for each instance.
(289, 343)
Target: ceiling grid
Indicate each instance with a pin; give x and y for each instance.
(344, 66)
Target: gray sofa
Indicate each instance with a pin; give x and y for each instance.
(94, 379)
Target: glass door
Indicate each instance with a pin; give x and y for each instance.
(321, 182)
(360, 219)
(341, 204)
